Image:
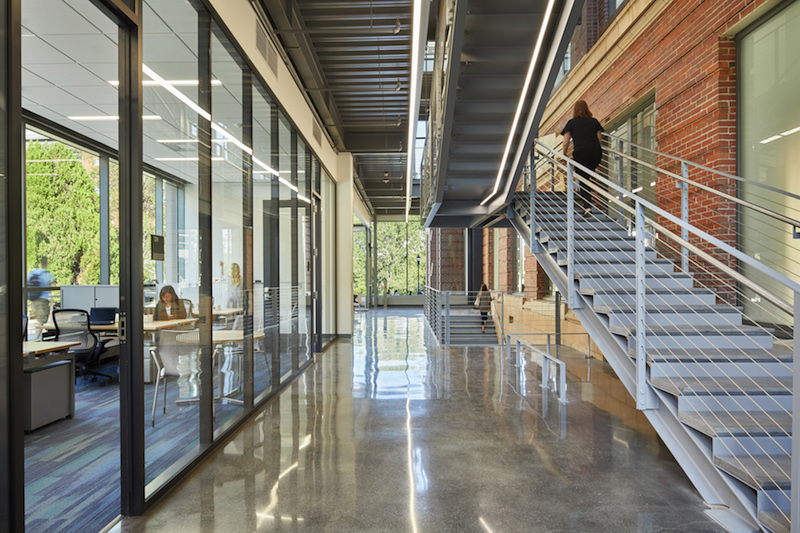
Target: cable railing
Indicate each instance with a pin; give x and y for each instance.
(671, 279)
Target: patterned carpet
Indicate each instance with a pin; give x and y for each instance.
(72, 465)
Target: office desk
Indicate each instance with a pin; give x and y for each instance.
(49, 373)
(220, 337)
(49, 326)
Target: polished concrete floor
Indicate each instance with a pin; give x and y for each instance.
(390, 432)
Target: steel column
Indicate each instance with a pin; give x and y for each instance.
(684, 216)
(573, 299)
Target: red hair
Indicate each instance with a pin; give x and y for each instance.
(581, 109)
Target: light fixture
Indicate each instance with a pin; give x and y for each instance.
(770, 139)
(396, 29)
(399, 121)
(99, 118)
(522, 98)
(398, 86)
(413, 103)
(174, 83)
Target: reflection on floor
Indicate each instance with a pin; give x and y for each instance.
(72, 473)
(391, 432)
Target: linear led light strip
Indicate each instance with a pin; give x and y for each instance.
(413, 110)
(522, 97)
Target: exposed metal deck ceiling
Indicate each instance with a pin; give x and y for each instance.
(353, 58)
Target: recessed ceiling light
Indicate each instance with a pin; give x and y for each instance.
(97, 118)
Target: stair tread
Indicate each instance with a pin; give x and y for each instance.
(666, 308)
(683, 331)
(776, 353)
(738, 423)
(683, 386)
(631, 275)
(759, 471)
(775, 521)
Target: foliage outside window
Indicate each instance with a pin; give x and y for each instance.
(63, 212)
(398, 246)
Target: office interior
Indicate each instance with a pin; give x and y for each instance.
(194, 176)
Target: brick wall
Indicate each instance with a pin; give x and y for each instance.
(445, 249)
(685, 60)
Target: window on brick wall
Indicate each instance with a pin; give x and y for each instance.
(613, 6)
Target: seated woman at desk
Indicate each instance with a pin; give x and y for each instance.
(169, 306)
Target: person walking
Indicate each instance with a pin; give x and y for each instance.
(40, 300)
(585, 132)
(484, 304)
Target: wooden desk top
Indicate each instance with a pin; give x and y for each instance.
(157, 325)
(228, 311)
(40, 347)
(220, 336)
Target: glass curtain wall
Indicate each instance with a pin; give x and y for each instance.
(265, 244)
(769, 96)
(228, 179)
(172, 351)
(69, 59)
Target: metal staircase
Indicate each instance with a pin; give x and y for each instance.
(661, 297)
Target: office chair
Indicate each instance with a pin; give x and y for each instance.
(72, 325)
(175, 355)
(258, 345)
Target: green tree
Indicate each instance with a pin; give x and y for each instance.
(63, 206)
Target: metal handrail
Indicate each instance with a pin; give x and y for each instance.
(708, 169)
(768, 212)
(764, 269)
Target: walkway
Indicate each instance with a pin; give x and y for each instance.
(391, 433)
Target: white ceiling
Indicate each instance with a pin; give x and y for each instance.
(69, 59)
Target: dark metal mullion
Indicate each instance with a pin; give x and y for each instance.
(272, 252)
(206, 427)
(132, 446)
(159, 229)
(12, 486)
(104, 221)
(247, 237)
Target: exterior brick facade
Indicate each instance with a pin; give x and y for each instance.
(445, 265)
(684, 59)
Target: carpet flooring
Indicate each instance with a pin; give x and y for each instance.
(72, 466)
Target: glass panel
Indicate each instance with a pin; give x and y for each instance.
(69, 66)
(227, 234)
(305, 242)
(62, 203)
(265, 301)
(171, 144)
(770, 150)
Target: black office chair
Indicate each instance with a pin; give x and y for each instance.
(72, 325)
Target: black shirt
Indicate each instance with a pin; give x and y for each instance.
(584, 132)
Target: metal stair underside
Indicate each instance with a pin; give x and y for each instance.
(724, 384)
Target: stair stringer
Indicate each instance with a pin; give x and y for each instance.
(691, 450)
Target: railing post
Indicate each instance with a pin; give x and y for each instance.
(534, 244)
(643, 398)
(502, 317)
(620, 181)
(684, 216)
(573, 299)
(795, 516)
(552, 176)
(447, 318)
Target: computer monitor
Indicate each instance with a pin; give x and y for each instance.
(102, 315)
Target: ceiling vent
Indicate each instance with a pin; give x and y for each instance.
(266, 49)
(317, 132)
